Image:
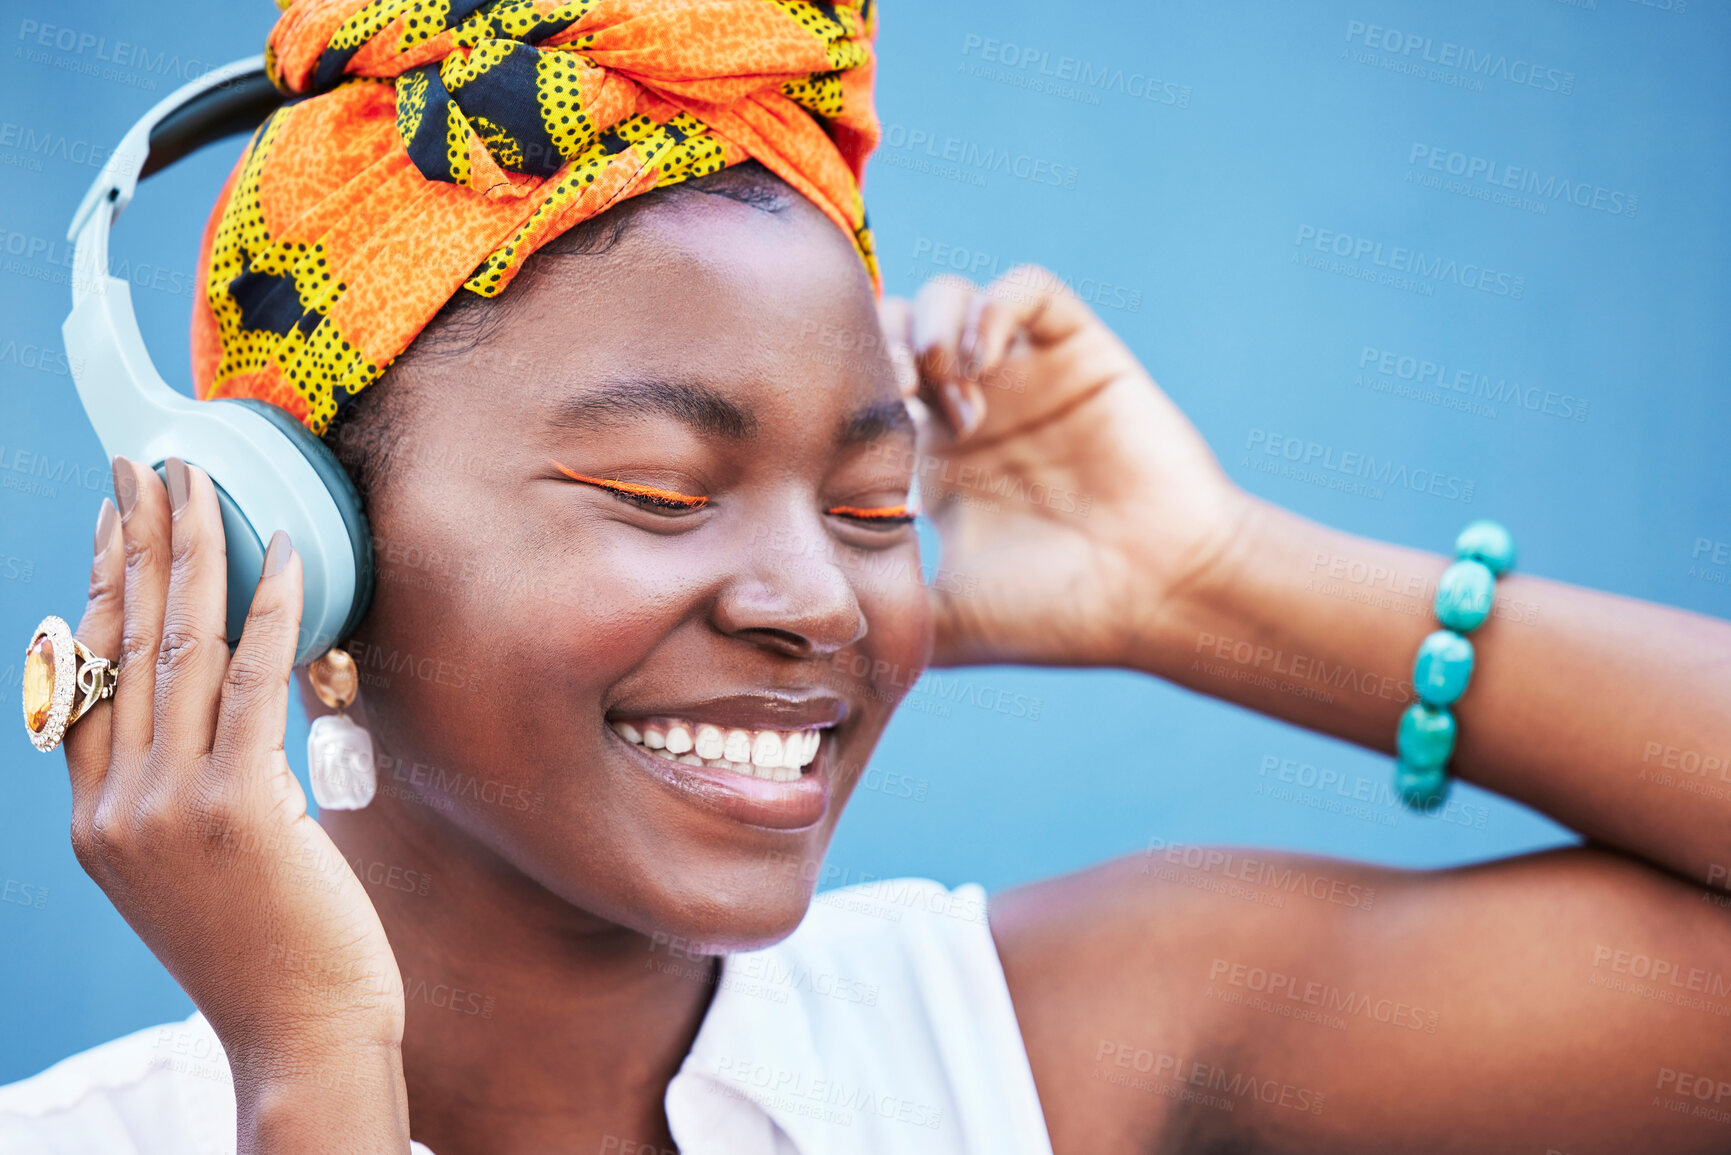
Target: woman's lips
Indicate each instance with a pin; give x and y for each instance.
(742, 796)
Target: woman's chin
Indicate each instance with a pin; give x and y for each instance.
(725, 920)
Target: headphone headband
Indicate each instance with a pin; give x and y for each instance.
(270, 471)
(224, 101)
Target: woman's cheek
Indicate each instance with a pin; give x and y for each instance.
(603, 604)
(899, 636)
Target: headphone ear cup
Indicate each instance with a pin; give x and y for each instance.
(245, 556)
(244, 570)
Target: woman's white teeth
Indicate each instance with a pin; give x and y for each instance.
(766, 749)
(775, 755)
(737, 747)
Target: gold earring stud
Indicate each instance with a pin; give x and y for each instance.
(335, 679)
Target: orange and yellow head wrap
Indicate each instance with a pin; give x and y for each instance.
(440, 142)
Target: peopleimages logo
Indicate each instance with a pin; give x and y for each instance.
(1425, 373)
(1412, 48)
(1478, 170)
(23, 469)
(90, 54)
(989, 267)
(42, 358)
(1385, 261)
(39, 258)
(970, 160)
(1068, 76)
(1352, 470)
(35, 146)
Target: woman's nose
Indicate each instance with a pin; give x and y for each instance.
(799, 602)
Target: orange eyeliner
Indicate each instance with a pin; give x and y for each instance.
(876, 513)
(635, 490)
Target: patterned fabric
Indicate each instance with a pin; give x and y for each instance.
(440, 142)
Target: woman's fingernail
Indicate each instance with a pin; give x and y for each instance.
(955, 402)
(105, 527)
(278, 554)
(907, 372)
(965, 352)
(125, 486)
(965, 411)
(179, 485)
(970, 416)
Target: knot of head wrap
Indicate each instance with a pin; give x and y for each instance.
(438, 143)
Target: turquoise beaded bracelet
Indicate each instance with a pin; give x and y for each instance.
(1484, 552)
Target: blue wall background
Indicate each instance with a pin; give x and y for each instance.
(1179, 163)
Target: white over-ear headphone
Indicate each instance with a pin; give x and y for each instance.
(270, 471)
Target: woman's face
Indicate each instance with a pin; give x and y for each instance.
(533, 635)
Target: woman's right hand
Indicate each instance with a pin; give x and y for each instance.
(186, 814)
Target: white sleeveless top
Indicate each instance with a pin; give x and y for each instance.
(882, 1024)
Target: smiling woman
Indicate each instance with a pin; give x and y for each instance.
(690, 424)
(676, 601)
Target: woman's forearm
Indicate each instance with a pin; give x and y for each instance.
(1611, 715)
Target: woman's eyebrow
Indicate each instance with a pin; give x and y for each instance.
(698, 406)
(878, 419)
(706, 411)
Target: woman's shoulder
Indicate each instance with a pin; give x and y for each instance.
(164, 1088)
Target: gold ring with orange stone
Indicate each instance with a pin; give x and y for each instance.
(57, 666)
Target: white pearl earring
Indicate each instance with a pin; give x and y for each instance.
(339, 751)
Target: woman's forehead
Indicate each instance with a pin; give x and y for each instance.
(741, 304)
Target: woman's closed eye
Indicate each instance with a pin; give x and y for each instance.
(672, 501)
(878, 516)
(646, 496)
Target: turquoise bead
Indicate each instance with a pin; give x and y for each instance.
(1464, 595)
(1489, 542)
(1427, 735)
(1444, 665)
(1421, 787)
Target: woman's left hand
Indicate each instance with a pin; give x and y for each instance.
(1073, 498)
